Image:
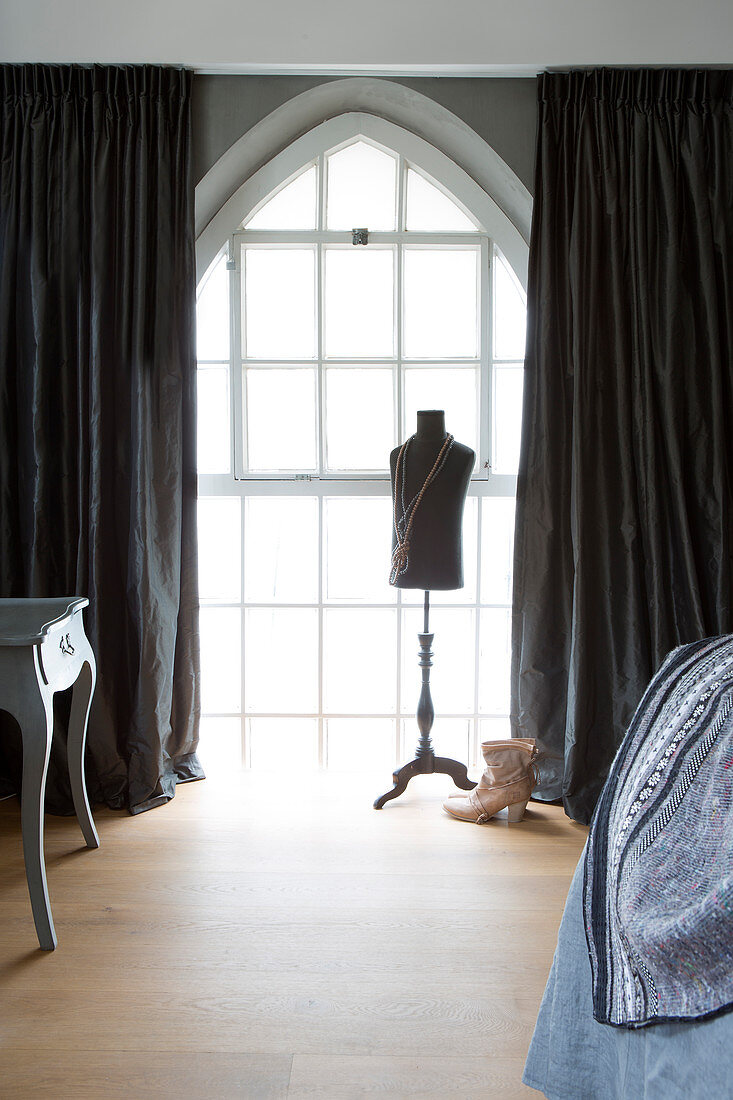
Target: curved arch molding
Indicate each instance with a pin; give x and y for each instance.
(216, 194)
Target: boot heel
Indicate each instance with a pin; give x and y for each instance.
(516, 812)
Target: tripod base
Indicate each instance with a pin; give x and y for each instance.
(426, 764)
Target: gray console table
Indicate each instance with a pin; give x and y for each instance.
(43, 649)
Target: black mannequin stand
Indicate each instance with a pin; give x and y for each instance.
(426, 762)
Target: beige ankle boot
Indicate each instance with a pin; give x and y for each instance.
(508, 781)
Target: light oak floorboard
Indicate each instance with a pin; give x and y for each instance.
(339, 1077)
(120, 1075)
(260, 939)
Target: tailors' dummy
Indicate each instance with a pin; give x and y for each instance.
(429, 555)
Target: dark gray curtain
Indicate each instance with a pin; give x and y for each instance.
(97, 403)
(624, 537)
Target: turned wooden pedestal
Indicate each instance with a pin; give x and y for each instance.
(426, 762)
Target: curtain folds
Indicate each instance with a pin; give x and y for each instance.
(624, 536)
(97, 402)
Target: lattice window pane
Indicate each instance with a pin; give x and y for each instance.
(279, 293)
(281, 419)
(281, 550)
(353, 685)
(359, 418)
(497, 549)
(508, 392)
(283, 744)
(494, 729)
(220, 549)
(441, 303)
(221, 659)
(359, 307)
(357, 545)
(360, 744)
(293, 207)
(220, 745)
(494, 660)
(429, 210)
(275, 681)
(510, 312)
(212, 314)
(212, 419)
(362, 189)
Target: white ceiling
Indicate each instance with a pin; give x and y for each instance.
(441, 37)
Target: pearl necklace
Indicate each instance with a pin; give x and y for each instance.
(403, 523)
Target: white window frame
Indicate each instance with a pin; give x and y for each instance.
(494, 230)
(319, 239)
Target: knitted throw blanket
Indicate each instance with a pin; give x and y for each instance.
(658, 893)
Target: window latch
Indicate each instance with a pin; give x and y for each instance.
(360, 236)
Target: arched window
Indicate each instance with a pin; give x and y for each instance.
(368, 278)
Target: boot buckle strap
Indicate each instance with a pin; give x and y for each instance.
(475, 800)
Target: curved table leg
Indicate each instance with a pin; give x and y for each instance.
(81, 701)
(34, 713)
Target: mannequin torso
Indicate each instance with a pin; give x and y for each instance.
(435, 559)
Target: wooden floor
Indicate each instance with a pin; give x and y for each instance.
(262, 939)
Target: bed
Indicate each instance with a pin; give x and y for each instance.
(572, 1057)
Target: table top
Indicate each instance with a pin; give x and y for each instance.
(29, 621)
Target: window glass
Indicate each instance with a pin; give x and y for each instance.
(510, 312)
(359, 417)
(212, 314)
(497, 549)
(441, 303)
(359, 307)
(294, 207)
(508, 391)
(429, 210)
(494, 729)
(212, 420)
(494, 660)
(220, 631)
(360, 744)
(357, 533)
(279, 291)
(274, 680)
(362, 189)
(220, 745)
(337, 347)
(220, 549)
(281, 419)
(283, 744)
(281, 549)
(347, 633)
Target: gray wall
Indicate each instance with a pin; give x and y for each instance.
(502, 111)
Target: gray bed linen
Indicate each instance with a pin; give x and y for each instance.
(572, 1057)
